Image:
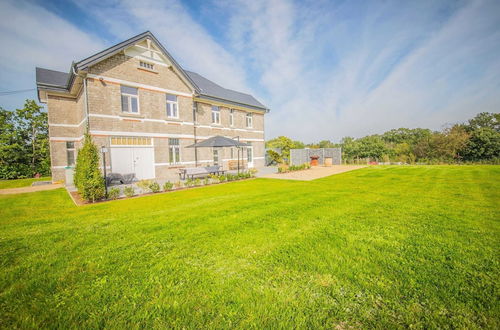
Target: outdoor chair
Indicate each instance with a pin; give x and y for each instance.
(121, 178)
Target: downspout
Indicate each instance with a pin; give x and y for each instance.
(194, 133)
(86, 100)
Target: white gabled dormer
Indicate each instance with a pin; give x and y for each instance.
(148, 52)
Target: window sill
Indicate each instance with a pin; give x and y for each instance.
(147, 70)
(131, 115)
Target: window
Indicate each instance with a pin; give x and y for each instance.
(216, 157)
(250, 153)
(174, 151)
(231, 118)
(215, 115)
(172, 106)
(70, 153)
(130, 101)
(249, 120)
(130, 141)
(146, 65)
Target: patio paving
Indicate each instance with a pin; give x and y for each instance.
(314, 172)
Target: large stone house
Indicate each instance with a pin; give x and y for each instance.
(135, 100)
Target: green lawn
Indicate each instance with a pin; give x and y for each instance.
(377, 247)
(4, 184)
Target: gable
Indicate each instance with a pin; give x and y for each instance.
(135, 53)
(147, 50)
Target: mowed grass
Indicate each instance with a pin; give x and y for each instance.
(377, 247)
(4, 184)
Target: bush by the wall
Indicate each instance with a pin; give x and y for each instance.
(168, 186)
(88, 178)
(292, 168)
(144, 185)
(114, 193)
(154, 187)
(129, 191)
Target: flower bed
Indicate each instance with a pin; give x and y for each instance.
(148, 187)
(292, 168)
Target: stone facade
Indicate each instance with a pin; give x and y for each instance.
(68, 117)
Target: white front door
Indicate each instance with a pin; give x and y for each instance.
(250, 157)
(137, 160)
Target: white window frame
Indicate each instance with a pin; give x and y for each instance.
(129, 102)
(71, 150)
(146, 65)
(214, 153)
(231, 117)
(172, 151)
(249, 120)
(215, 115)
(170, 104)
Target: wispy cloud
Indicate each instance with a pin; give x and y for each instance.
(32, 36)
(189, 42)
(325, 69)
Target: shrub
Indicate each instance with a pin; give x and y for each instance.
(178, 185)
(168, 186)
(88, 178)
(129, 191)
(114, 193)
(206, 181)
(282, 168)
(144, 185)
(214, 178)
(222, 178)
(252, 172)
(189, 183)
(154, 187)
(197, 182)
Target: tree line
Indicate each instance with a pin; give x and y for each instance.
(475, 141)
(24, 142)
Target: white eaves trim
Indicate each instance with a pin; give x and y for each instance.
(142, 134)
(69, 125)
(166, 135)
(141, 119)
(137, 85)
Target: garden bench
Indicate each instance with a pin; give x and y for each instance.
(199, 171)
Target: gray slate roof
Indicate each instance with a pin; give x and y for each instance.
(50, 79)
(209, 88)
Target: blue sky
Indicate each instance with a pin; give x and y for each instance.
(327, 69)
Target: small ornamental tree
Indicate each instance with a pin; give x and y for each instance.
(88, 178)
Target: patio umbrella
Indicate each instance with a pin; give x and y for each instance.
(220, 142)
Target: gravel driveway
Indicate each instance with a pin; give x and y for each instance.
(314, 172)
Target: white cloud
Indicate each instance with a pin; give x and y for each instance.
(32, 36)
(325, 69)
(182, 35)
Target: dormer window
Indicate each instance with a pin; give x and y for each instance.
(215, 115)
(172, 106)
(130, 100)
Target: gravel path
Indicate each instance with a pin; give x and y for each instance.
(30, 189)
(314, 172)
